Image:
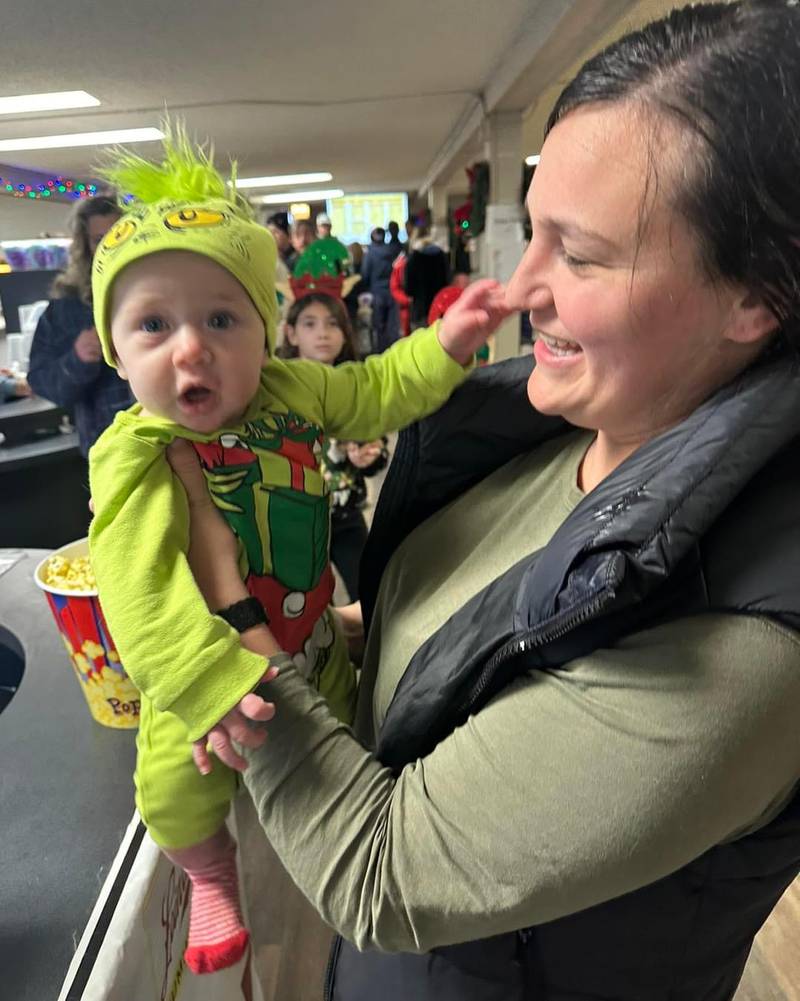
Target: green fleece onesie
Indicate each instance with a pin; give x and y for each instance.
(264, 476)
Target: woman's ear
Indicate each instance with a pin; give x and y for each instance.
(288, 333)
(753, 320)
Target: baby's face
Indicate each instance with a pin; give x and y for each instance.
(188, 339)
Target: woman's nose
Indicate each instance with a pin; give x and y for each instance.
(191, 347)
(528, 288)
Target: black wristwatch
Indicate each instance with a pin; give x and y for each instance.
(244, 614)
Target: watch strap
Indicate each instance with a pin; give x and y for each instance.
(245, 614)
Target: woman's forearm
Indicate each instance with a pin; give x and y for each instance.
(490, 829)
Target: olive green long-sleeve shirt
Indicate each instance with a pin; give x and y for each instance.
(571, 787)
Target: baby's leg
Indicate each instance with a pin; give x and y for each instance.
(185, 814)
(217, 936)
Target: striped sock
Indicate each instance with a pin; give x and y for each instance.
(217, 936)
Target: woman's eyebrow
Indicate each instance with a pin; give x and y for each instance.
(574, 230)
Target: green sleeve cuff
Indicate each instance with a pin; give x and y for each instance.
(216, 692)
(435, 361)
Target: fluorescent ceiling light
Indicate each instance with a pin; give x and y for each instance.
(298, 196)
(47, 102)
(81, 139)
(532, 160)
(278, 179)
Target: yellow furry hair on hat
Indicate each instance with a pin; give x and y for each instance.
(183, 203)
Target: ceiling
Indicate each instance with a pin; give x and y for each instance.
(385, 96)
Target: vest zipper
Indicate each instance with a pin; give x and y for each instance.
(523, 959)
(534, 638)
(330, 969)
(524, 935)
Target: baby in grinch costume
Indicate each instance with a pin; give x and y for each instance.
(185, 308)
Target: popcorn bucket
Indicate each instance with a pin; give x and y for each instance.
(113, 698)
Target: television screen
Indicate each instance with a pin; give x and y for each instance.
(354, 216)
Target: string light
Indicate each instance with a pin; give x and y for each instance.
(54, 185)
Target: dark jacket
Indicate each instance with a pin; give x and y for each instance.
(377, 266)
(427, 271)
(91, 390)
(677, 529)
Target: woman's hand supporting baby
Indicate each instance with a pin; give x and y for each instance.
(472, 318)
(213, 559)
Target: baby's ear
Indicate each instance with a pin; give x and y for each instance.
(117, 363)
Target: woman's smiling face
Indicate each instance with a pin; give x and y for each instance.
(631, 335)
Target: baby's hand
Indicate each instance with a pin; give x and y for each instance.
(236, 725)
(476, 314)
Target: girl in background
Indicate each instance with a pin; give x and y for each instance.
(318, 329)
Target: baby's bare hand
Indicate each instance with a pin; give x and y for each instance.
(472, 318)
(236, 725)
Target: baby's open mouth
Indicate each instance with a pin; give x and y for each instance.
(194, 395)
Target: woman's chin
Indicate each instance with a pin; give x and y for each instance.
(543, 396)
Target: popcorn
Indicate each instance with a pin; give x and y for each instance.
(68, 582)
(74, 574)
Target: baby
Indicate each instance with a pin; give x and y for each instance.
(185, 308)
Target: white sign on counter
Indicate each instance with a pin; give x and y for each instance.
(141, 952)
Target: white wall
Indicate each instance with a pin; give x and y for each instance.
(22, 219)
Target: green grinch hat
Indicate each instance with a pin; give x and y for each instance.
(183, 203)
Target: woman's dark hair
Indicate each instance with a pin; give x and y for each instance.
(76, 280)
(729, 75)
(337, 309)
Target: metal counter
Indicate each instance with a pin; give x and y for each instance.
(66, 799)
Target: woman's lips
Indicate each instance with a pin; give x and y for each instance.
(549, 350)
(559, 345)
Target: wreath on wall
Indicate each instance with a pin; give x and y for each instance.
(478, 175)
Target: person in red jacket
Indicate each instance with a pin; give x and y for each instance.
(397, 283)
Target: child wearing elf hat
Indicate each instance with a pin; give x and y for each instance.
(185, 308)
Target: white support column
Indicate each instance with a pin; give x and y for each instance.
(437, 204)
(501, 244)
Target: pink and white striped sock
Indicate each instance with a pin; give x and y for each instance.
(217, 936)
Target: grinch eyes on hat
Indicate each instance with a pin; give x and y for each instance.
(181, 220)
(191, 218)
(118, 234)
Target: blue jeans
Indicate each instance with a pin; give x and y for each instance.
(385, 321)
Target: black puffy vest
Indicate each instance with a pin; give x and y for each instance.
(704, 518)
